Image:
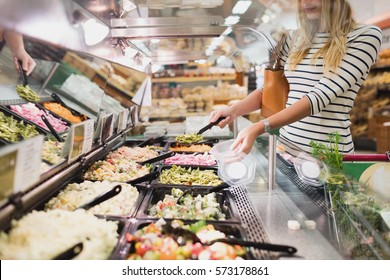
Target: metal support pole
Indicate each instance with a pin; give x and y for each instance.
(271, 161)
(49, 76)
(235, 128)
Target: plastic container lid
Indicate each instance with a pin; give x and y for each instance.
(234, 168)
(310, 170)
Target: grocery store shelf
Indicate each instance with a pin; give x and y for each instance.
(193, 79)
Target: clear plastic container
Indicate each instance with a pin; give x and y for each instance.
(310, 170)
(234, 168)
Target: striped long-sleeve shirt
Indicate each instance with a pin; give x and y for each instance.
(331, 95)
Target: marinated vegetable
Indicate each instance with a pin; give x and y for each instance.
(115, 170)
(151, 243)
(201, 207)
(63, 112)
(189, 176)
(203, 148)
(27, 93)
(189, 138)
(13, 130)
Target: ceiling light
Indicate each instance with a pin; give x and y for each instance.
(94, 32)
(265, 18)
(241, 7)
(231, 20)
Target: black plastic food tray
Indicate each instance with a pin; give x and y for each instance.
(68, 123)
(19, 118)
(163, 167)
(137, 204)
(234, 230)
(144, 183)
(156, 193)
(73, 111)
(189, 165)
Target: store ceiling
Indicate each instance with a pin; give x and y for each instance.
(139, 32)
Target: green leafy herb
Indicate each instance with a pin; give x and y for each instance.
(329, 154)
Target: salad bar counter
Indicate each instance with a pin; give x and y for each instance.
(134, 199)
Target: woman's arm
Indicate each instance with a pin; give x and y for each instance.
(249, 104)
(293, 113)
(15, 43)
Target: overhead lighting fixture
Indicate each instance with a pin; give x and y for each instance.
(241, 7)
(231, 20)
(265, 18)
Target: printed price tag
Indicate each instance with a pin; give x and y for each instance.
(20, 166)
(107, 127)
(122, 120)
(79, 140)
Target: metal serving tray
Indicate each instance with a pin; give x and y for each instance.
(234, 230)
(164, 167)
(19, 118)
(68, 123)
(141, 190)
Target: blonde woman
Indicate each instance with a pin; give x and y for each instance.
(328, 63)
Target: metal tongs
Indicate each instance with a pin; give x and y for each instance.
(187, 234)
(101, 198)
(51, 128)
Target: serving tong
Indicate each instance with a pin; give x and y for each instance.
(101, 198)
(60, 101)
(182, 234)
(210, 125)
(23, 74)
(51, 128)
(157, 158)
(210, 190)
(70, 253)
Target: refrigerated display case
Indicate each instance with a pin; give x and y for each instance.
(253, 211)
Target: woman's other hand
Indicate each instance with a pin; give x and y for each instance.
(246, 138)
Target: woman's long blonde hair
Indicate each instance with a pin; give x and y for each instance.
(337, 19)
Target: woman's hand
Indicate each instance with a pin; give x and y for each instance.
(246, 138)
(229, 114)
(28, 64)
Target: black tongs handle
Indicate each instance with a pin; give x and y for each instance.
(51, 128)
(144, 178)
(70, 253)
(59, 100)
(97, 200)
(258, 245)
(210, 125)
(158, 158)
(151, 141)
(23, 73)
(218, 188)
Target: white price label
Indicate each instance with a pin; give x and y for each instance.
(20, 166)
(79, 140)
(122, 120)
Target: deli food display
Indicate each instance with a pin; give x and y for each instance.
(153, 242)
(43, 235)
(75, 195)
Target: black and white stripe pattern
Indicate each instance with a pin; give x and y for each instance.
(332, 95)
